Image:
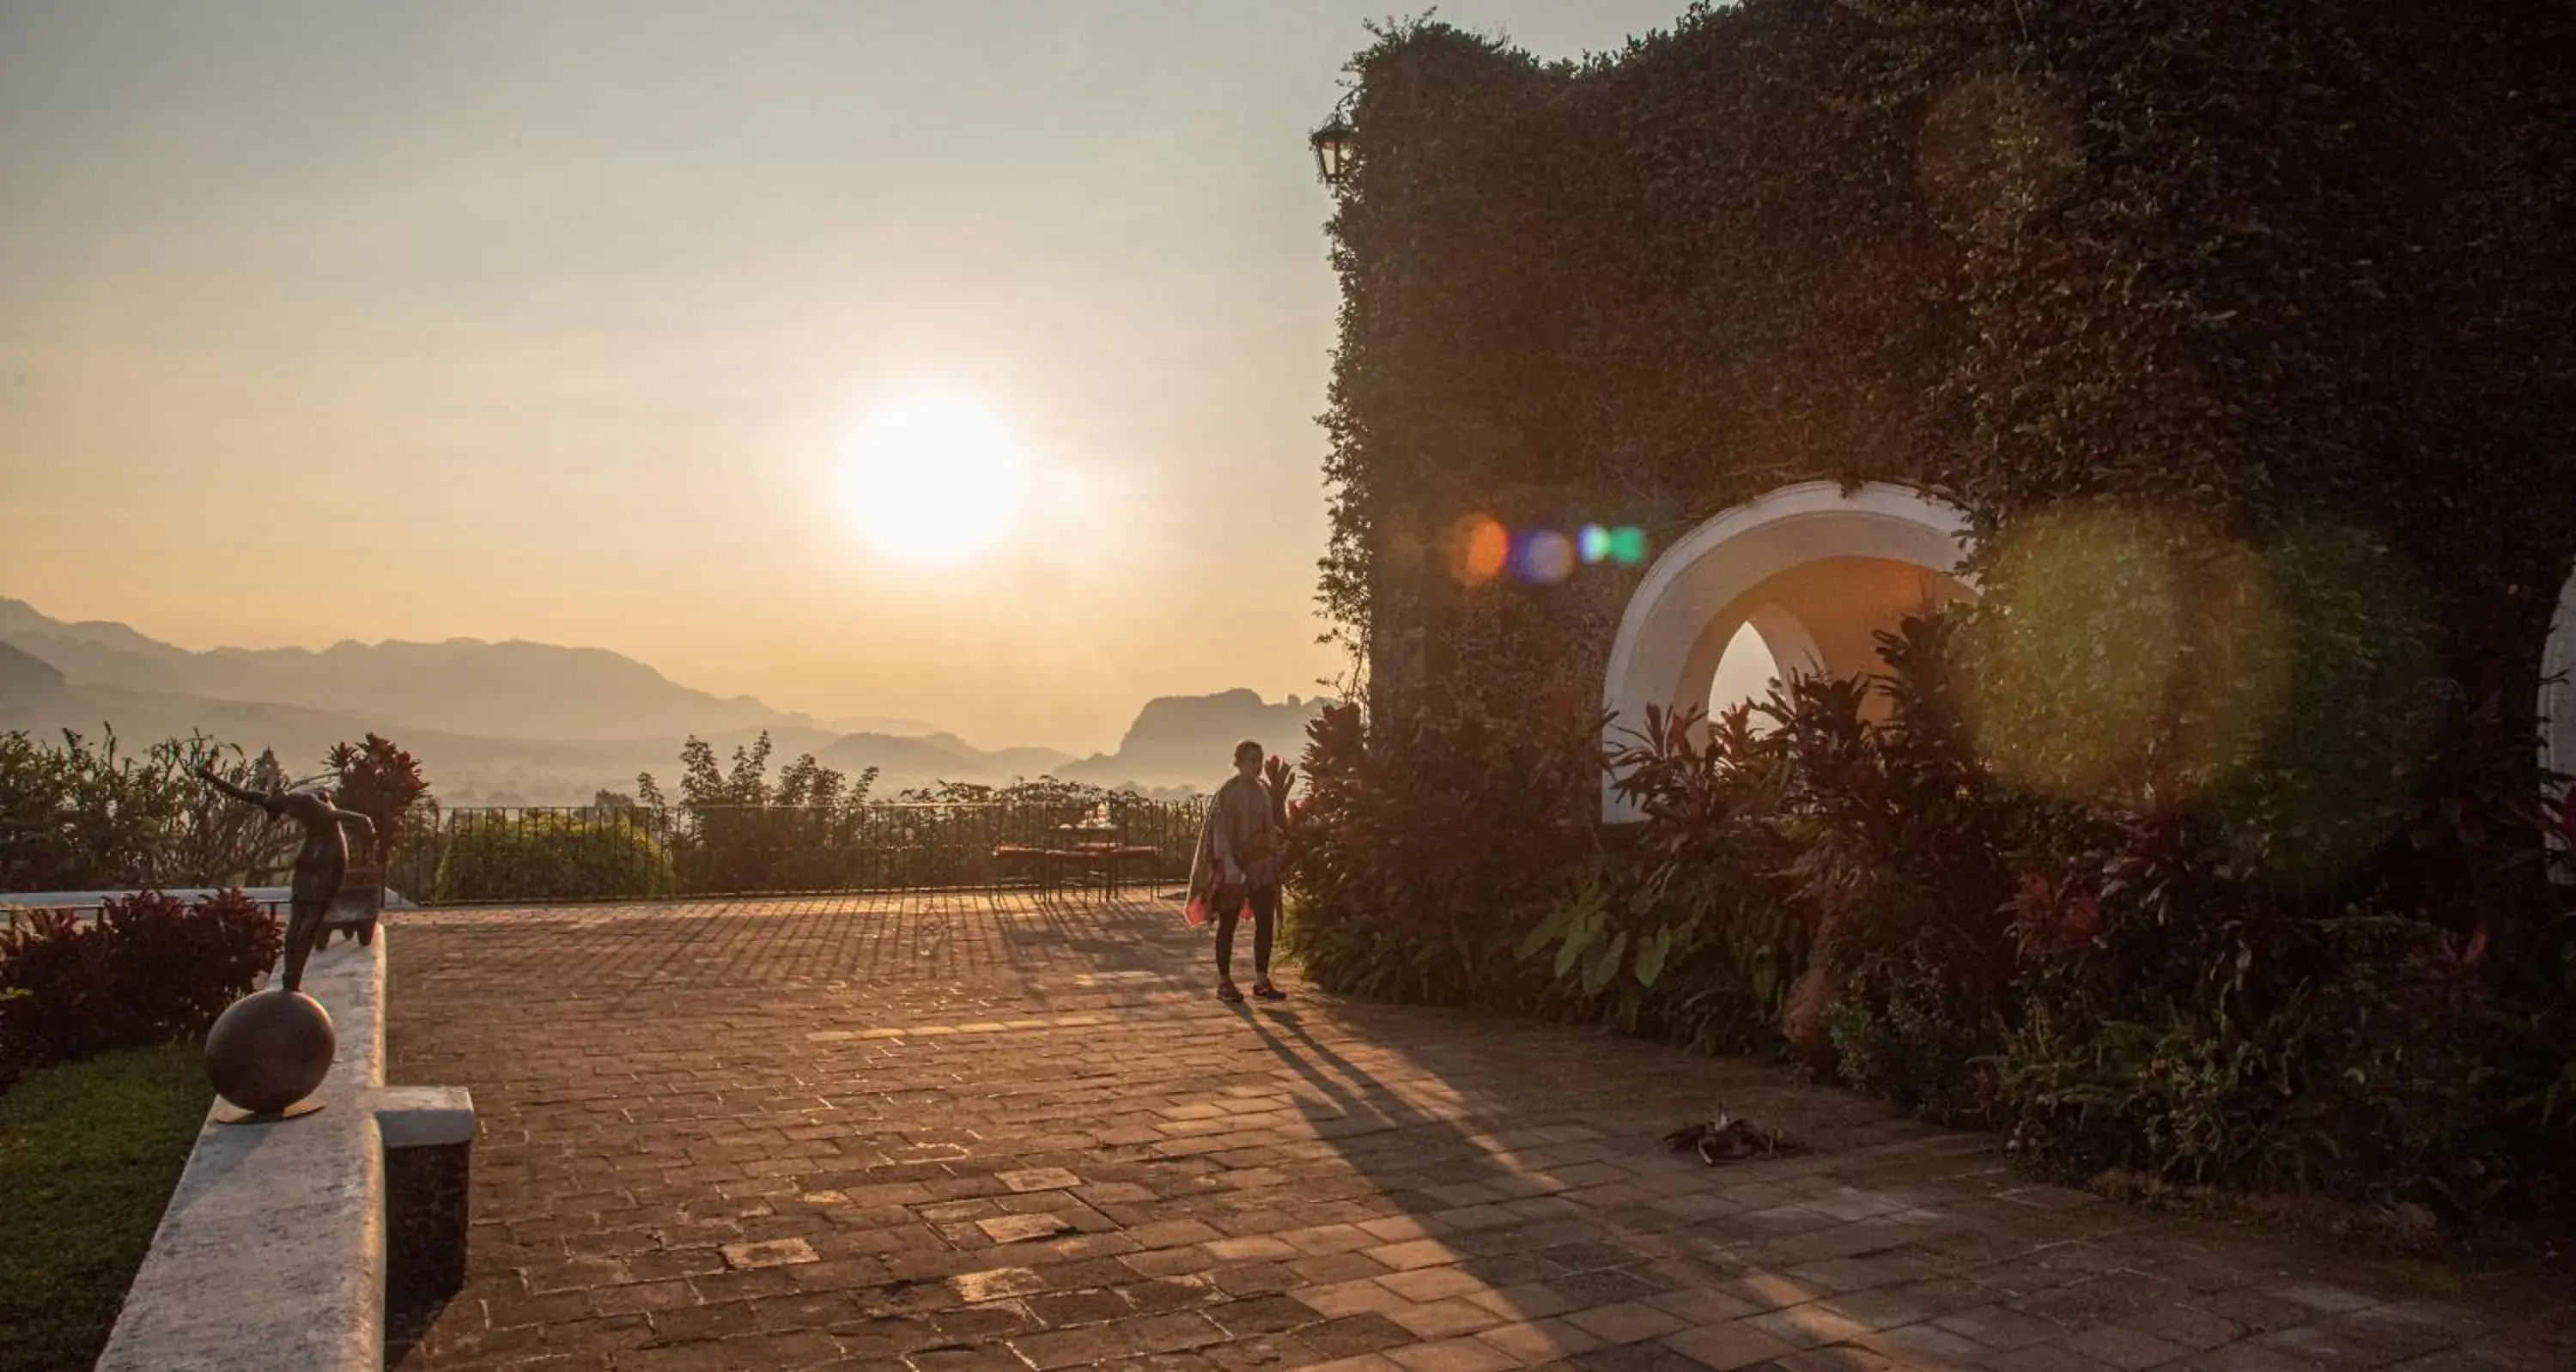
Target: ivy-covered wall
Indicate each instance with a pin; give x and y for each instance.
(2249, 264)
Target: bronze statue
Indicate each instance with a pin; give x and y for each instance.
(319, 864)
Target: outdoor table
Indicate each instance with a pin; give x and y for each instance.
(1095, 838)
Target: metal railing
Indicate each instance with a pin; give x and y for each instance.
(525, 853)
(86, 906)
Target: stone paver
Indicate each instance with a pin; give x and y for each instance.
(969, 1131)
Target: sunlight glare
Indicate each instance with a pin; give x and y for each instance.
(934, 479)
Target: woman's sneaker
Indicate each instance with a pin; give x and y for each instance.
(1266, 991)
(1225, 992)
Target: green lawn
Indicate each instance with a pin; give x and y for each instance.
(89, 1153)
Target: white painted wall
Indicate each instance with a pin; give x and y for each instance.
(1684, 611)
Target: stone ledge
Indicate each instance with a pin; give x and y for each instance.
(273, 1252)
(424, 1116)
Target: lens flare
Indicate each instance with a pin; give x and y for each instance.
(1482, 549)
(1546, 558)
(2076, 661)
(2286, 694)
(1478, 549)
(2356, 670)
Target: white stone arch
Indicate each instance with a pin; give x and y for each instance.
(1743, 565)
(2558, 696)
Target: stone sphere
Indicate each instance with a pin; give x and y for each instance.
(270, 1049)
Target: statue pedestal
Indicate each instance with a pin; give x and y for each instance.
(234, 1114)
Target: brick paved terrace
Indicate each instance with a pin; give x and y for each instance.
(1005, 1131)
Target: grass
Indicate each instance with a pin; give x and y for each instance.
(89, 1153)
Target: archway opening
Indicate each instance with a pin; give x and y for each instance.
(1746, 672)
(1820, 618)
(1799, 582)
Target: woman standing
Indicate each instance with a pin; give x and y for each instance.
(1238, 861)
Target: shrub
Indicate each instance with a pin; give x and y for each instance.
(382, 782)
(2377, 1079)
(83, 817)
(1684, 929)
(537, 857)
(2191, 970)
(1833, 881)
(736, 830)
(1419, 859)
(152, 969)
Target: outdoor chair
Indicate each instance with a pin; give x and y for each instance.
(354, 910)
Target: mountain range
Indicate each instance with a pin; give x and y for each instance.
(512, 690)
(537, 724)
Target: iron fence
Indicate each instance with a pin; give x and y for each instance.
(484, 855)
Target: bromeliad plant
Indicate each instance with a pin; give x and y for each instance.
(1682, 931)
(384, 783)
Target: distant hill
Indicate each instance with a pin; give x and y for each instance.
(938, 757)
(1189, 740)
(533, 724)
(518, 690)
(465, 769)
(26, 679)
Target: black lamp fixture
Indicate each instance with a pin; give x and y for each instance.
(1336, 147)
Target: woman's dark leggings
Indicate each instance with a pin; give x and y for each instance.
(1265, 920)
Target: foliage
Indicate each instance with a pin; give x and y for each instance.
(737, 830)
(1685, 930)
(151, 969)
(2147, 977)
(539, 856)
(382, 782)
(85, 817)
(89, 1153)
(740, 831)
(2379, 1080)
(1416, 858)
(2208, 846)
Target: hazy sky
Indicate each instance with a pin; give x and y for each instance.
(550, 321)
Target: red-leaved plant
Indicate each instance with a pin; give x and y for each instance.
(382, 782)
(151, 969)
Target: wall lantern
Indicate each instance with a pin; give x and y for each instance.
(1336, 148)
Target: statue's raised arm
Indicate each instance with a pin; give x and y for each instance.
(246, 796)
(319, 863)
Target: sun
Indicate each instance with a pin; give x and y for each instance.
(934, 479)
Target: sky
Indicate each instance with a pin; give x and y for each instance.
(562, 322)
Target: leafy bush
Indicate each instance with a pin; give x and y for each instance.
(806, 832)
(1417, 859)
(151, 969)
(82, 817)
(537, 857)
(2157, 976)
(735, 830)
(2379, 1080)
(382, 782)
(1684, 929)
(2268, 956)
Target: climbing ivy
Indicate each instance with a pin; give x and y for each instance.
(2265, 303)
(2240, 262)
